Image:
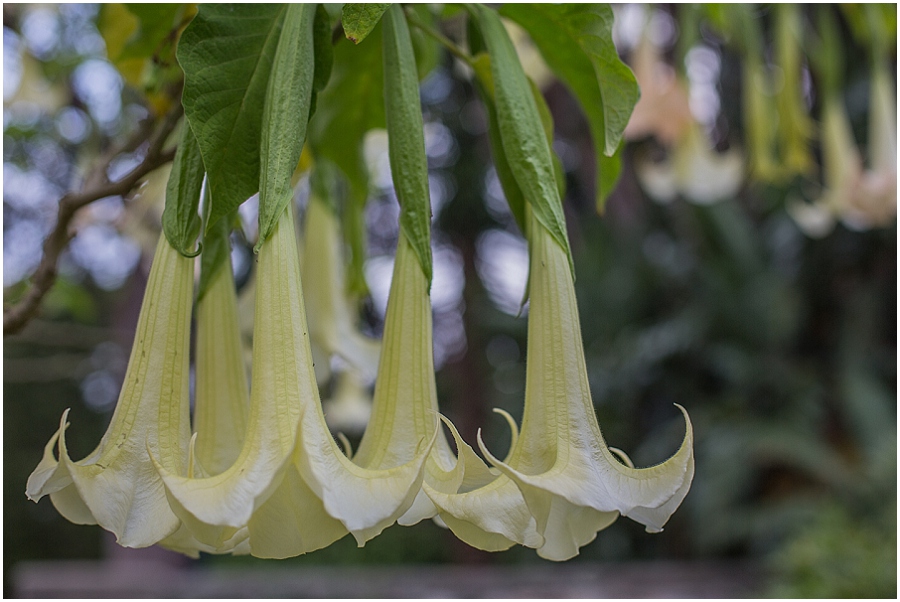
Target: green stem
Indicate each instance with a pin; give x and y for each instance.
(446, 42)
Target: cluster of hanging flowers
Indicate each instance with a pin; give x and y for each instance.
(258, 471)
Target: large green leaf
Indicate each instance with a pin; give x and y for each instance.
(285, 114)
(359, 19)
(349, 107)
(226, 53)
(406, 139)
(576, 41)
(521, 129)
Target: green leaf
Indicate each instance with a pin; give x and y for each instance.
(521, 130)
(324, 51)
(180, 220)
(514, 197)
(608, 171)
(406, 139)
(360, 19)
(342, 118)
(576, 41)
(428, 51)
(285, 115)
(226, 53)
(511, 190)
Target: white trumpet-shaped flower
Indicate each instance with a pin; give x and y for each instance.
(332, 321)
(874, 203)
(218, 503)
(117, 486)
(291, 485)
(405, 409)
(366, 494)
(572, 483)
(841, 168)
(860, 198)
(664, 108)
(693, 169)
(227, 472)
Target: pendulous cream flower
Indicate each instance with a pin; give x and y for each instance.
(874, 202)
(664, 109)
(841, 168)
(117, 486)
(405, 408)
(572, 483)
(694, 169)
(217, 502)
(861, 198)
(332, 320)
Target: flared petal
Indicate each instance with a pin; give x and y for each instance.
(572, 483)
(117, 486)
(487, 511)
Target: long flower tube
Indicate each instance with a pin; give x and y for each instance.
(117, 486)
(405, 409)
(368, 498)
(841, 168)
(332, 326)
(215, 508)
(874, 203)
(572, 483)
(220, 412)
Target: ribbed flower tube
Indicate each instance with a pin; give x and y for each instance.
(116, 485)
(572, 483)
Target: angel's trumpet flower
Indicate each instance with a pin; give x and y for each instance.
(215, 508)
(694, 169)
(795, 127)
(761, 128)
(841, 167)
(291, 486)
(332, 323)
(874, 203)
(369, 493)
(222, 398)
(405, 409)
(117, 486)
(664, 109)
(573, 484)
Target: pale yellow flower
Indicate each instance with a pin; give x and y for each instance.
(874, 202)
(693, 169)
(332, 317)
(117, 486)
(664, 108)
